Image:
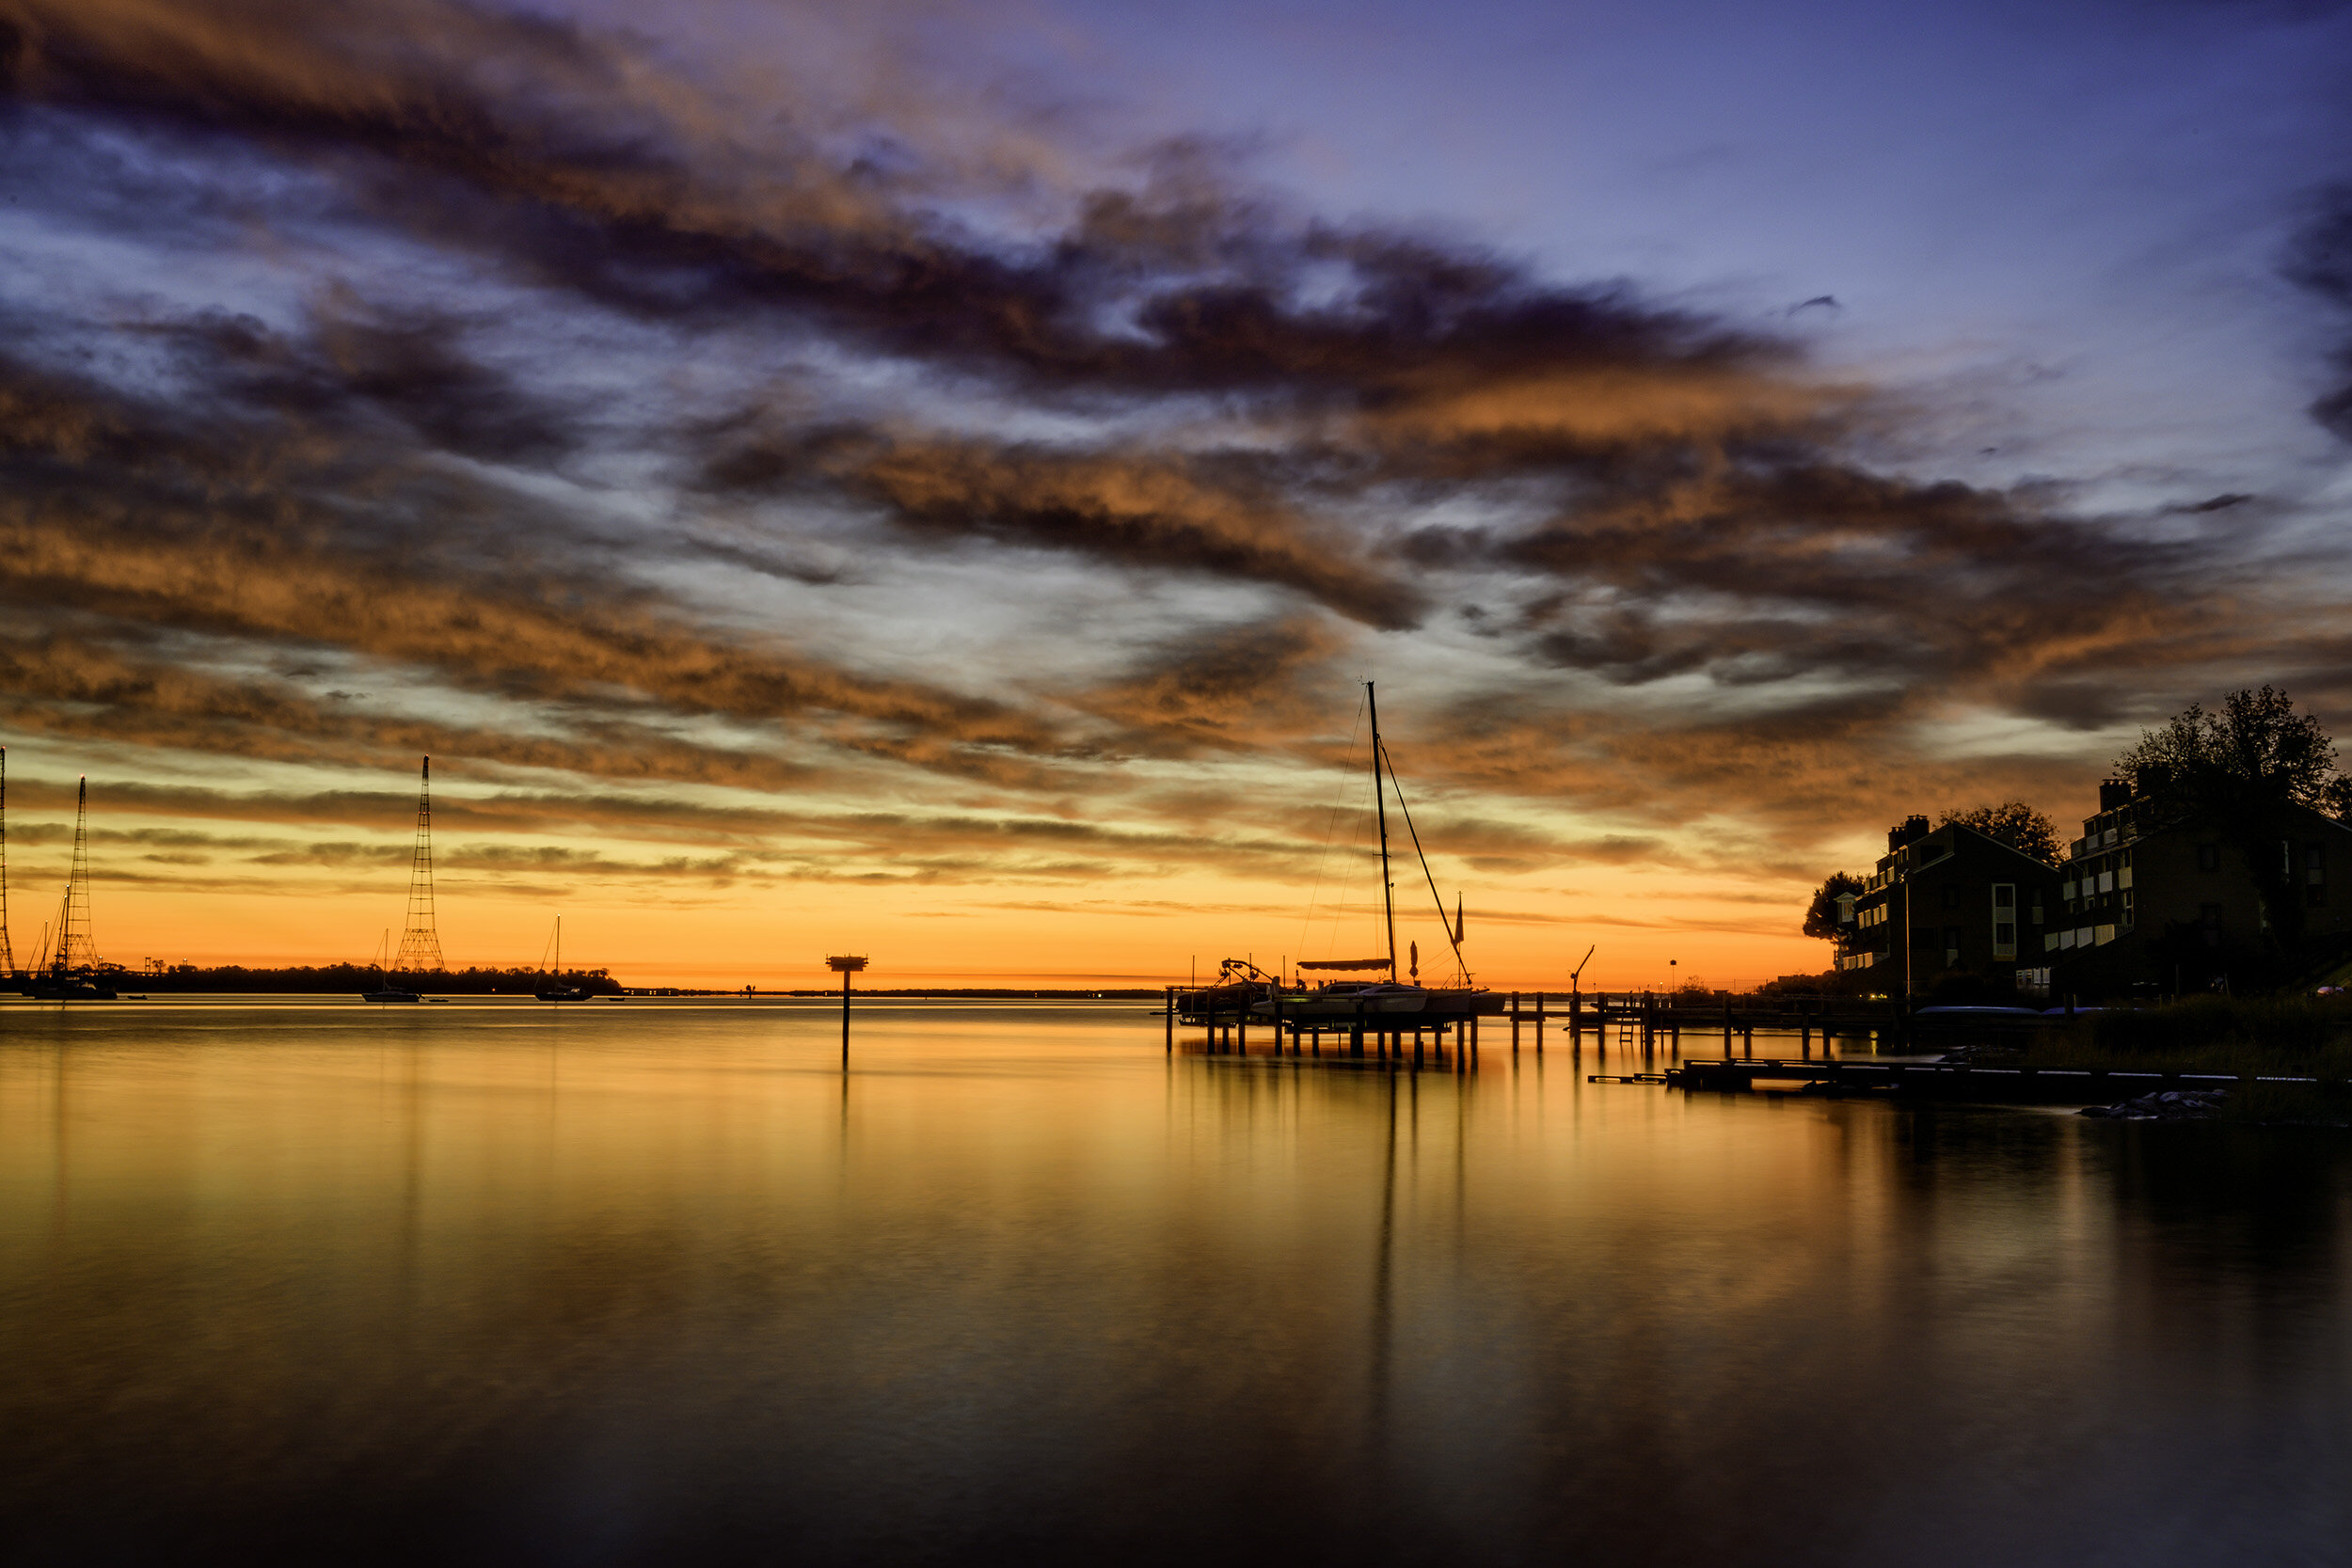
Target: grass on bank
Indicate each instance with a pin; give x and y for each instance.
(2295, 1036)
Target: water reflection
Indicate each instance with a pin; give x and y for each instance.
(500, 1284)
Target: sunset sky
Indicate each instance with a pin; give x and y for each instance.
(931, 479)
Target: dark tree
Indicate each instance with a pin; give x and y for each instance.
(1820, 916)
(2257, 751)
(2241, 771)
(2014, 823)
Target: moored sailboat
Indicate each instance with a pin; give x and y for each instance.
(74, 972)
(1296, 1000)
(385, 990)
(559, 991)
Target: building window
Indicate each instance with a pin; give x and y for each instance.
(2037, 907)
(2315, 863)
(2209, 920)
(2004, 920)
(2209, 857)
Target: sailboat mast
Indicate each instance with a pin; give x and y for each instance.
(8, 953)
(1380, 804)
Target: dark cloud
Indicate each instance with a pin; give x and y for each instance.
(359, 362)
(521, 137)
(1222, 687)
(2320, 260)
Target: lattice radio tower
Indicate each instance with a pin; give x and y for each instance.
(420, 942)
(76, 951)
(7, 954)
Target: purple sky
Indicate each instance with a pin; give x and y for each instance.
(946, 451)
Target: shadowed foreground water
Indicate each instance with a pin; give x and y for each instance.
(636, 1283)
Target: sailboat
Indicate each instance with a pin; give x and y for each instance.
(57, 982)
(1340, 998)
(559, 991)
(73, 968)
(385, 990)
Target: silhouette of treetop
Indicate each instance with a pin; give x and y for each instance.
(2254, 756)
(2014, 823)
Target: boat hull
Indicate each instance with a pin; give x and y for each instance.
(1427, 1004)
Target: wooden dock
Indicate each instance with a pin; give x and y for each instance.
(1643, 1022)
(1936, 1080)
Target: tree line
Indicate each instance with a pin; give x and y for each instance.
(326, 979)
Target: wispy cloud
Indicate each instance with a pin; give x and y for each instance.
(620, 438)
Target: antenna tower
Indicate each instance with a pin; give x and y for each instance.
(76, 951)
(420, 944)
(7, 954)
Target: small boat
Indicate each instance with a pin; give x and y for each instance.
(560, 992)
(385, 990)
(67, 988)
(71, 971)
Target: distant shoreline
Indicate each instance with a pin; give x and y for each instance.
(339, 979)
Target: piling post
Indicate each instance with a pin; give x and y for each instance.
(845, 965)
(1356, 1032)
(1172, 1021)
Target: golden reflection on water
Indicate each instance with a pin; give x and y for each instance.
(625, 1281)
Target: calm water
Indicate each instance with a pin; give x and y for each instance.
(639, 1282)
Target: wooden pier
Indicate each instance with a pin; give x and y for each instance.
(1227, 1021)
(1631, 1022)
